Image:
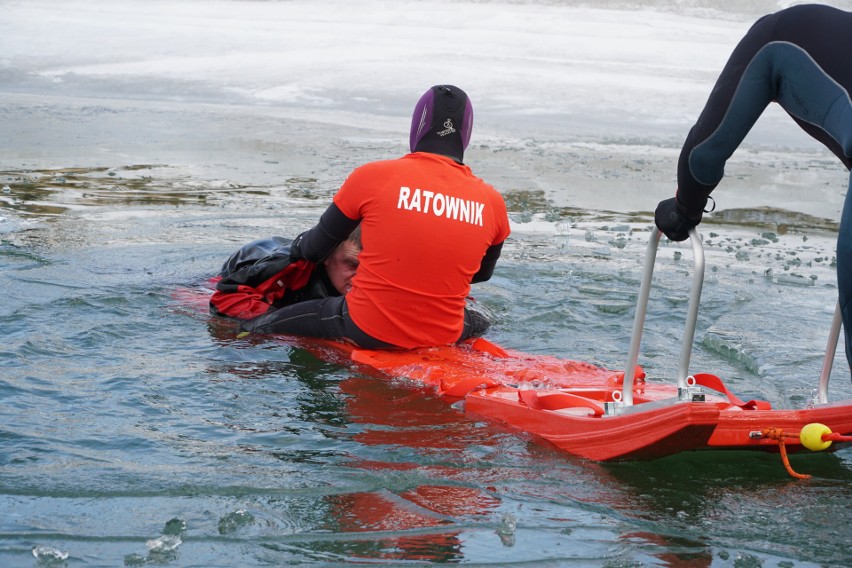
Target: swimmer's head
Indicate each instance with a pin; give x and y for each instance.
(442, 121)
(342, 264)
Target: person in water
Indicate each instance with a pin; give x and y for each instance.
(430, 228)
(261, 277)
(800, 58)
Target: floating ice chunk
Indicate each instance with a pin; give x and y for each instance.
(612, 307)
(619, 242)
(175, 527)
(49, 555)
(135, 560)
(795, 280)
(165, 543)
(234, 521)
(506, 530)
(507, 524)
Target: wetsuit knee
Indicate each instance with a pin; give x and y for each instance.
(313, 318)
(477, 321)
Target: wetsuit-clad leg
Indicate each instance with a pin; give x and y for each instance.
(328, 318)
(800, 58)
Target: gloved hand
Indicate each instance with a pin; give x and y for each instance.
(673, 220)
(295, 248)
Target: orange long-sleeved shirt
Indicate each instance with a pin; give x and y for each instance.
(426, 223)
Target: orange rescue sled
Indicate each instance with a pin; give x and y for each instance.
(607, 415)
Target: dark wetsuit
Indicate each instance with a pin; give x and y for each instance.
(800, 58)
(329, 318)
(327, 315)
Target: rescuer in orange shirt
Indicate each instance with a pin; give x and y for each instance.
(429, 229)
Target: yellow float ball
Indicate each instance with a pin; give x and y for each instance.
(811, 436)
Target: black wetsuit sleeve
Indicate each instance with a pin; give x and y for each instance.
(489, 261)
(316, 244)
(797, 57)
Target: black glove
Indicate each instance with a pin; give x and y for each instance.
(673, 220)
(296, 249)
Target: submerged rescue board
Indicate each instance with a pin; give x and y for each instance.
(578, 407)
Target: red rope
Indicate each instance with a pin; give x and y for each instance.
(778, 435)
(835, 437)
(786, 461)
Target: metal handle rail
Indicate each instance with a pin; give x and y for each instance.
(642, 307)
(830, 350)
(692, 318)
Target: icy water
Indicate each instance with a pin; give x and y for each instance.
(143, 142)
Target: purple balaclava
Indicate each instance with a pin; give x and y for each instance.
(442, 121)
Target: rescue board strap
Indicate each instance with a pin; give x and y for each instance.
(715, 383)
(558, 401)
(465, 386)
